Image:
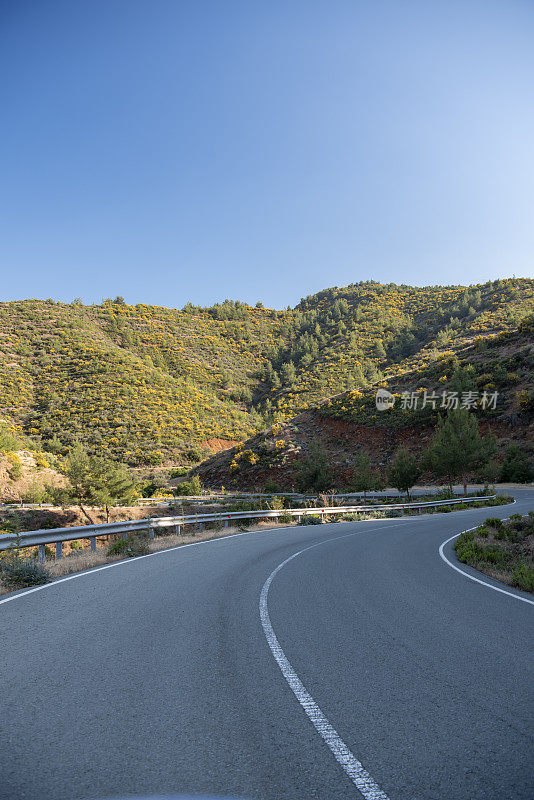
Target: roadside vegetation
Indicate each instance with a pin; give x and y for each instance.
(92, 481)
(502, 549)
(19, 567)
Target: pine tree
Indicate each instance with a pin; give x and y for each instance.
(457, 447)
(365, 479)
(288, 374)
(380, 351)
(275, 380)
(404, 471)
(315, 472)
(97, 480)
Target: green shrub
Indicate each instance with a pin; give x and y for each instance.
(58, 495)
(276, 503)
(155, 458)
(49, 553)
(500, 500)
(512, 560)
(132, 546)
(443, 494)
(118, 547)
(271, 487)
(467, 549)
(35, 494)
(310, 519)
(178, 472)
(191, 488)
(516, 467)
(8, 440)
(523, 578)
(15, 466)
(17, 572)
(194, 454)
(285, 518)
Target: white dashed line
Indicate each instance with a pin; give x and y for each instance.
(348, 761)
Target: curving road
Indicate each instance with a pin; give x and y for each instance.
(368, 662)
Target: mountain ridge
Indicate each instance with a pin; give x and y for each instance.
(149, 385)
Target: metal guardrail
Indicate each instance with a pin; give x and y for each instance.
(216, 498)
(57, 536)
(212, 498)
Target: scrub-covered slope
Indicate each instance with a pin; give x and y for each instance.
(144, 384)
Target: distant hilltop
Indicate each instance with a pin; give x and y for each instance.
(151, 385)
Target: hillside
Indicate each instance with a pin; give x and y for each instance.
(350, 422)
(137, 383)
(348, 338)
(151, 385)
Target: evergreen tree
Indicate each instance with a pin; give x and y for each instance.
(315, 471)
(97, 480)
(275, 380)
(516, 467)
(380, 351)
(77, 470)
(365, 479)
(457, 447)
(288, 374)
(404, 471)
(463, 379)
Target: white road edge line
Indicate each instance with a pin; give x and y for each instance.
(348, 761)
(472, 577)
(128, 561)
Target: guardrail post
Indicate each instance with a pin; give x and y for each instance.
(125, 534)
(419, 510)
(322, 517)
(201, 526)
(226, 522)
(177, 530)
(435, 508)
(59, 549)
(41, 554)
(93, 544)
(150, 532)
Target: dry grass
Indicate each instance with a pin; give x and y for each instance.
(79, 560)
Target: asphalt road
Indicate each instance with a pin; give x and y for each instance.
(156, 676)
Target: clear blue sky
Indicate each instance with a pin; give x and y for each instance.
(170, 151)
